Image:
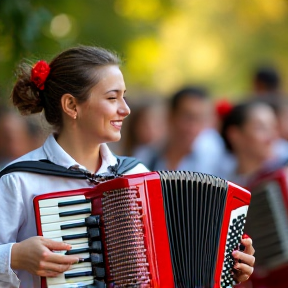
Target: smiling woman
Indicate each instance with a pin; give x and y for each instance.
(81, 92)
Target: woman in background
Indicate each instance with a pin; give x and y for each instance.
(250, 134)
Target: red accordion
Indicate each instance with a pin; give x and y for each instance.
(159, 229)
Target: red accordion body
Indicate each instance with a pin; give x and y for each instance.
(161, 229)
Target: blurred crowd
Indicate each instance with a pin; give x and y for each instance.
(192, 131)
(189, 130)
(18, 134)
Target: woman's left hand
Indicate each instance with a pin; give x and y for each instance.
(244, 261)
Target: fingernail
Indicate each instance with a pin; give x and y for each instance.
(81, 260)
(234, 252)
(245, 236)
(69, 246)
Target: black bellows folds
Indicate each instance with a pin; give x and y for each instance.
(194, 209)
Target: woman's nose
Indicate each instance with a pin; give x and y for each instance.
(124, 109)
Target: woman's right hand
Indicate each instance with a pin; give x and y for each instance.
(35, 256)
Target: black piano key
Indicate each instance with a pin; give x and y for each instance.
(92, 233)
(75, 236)
(74, 225)
(77, 251)
(98, 272)
(75, 212)
(78, 274)
(95, 247)
(73, 202)
(93, 220)
(95, 258)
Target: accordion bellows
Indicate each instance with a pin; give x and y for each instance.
(163, 229)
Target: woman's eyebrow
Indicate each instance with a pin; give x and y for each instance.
(115, 90)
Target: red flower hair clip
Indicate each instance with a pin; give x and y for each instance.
(39, 74)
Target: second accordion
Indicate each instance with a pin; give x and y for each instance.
(160, 229)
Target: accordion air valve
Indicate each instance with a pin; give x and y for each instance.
(159, 229)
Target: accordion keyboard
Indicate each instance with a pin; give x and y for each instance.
(68, 219)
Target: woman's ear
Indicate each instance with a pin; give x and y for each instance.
(69, 105)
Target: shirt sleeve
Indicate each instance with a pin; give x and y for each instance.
(8, 279)
(11, 207)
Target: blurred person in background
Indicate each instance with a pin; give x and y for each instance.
(282, 116)
(18, 135)
(192, 143)
(250, 133)
(145, 129)
(266, 82)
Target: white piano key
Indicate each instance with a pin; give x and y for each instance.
(56, 226)
(86, 265)
(56, 210)
(56, 218)
(60, 279)
(60, 233)
(55, 201)
(71, 285)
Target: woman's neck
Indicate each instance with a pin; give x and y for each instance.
(85, 153)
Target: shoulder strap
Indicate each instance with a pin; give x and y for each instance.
(42, 167)
(47, 167)
(125, 164)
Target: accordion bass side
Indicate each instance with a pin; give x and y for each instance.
(159, 229)
(268, 219)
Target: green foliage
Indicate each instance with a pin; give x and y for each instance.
(165, 43)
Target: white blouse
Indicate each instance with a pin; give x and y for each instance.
(18, 189)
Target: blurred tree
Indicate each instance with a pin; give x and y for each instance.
(166, 43)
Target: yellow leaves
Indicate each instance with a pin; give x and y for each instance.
(138, 10)
(273, 10)
(143, 59)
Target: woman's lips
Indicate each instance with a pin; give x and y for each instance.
(117, 124)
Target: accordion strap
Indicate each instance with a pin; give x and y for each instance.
(45, 166)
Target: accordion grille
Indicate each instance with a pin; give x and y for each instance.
(124, 238)
(194, 217)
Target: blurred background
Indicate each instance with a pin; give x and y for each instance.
(164, 43)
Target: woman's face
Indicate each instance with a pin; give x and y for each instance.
(100, 117)
(257, 135)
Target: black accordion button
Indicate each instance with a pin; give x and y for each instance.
(93, 221)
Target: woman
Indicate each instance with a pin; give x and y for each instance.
(82, 94)
(250, 135)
